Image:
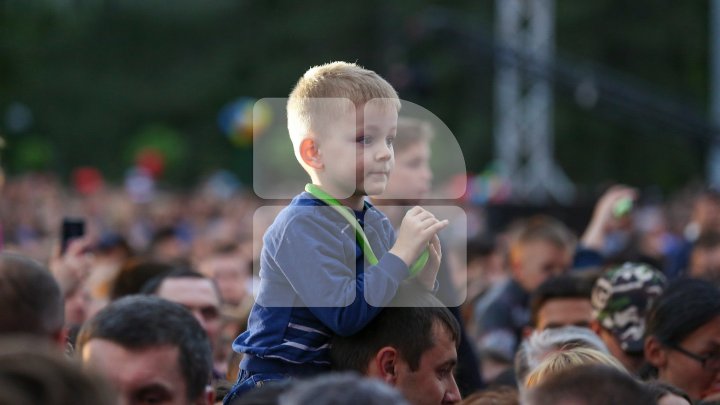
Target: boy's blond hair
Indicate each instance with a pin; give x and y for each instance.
(308, 107)
(562, 360)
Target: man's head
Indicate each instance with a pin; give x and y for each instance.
(30, 299)
(33, 372)
(149, 348)
(590, 385)
(706, 211)
(562, 301)
(411, 178)
(168, 246)
(341, 388)
(197, 293)
(705, 257)
(412, 348)
(231, 272)
(621, 298)
(541, 249)
(342, 121)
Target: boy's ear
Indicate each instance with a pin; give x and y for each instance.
(386, 364)
(310, 154)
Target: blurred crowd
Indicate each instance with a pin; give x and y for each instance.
(539, 298)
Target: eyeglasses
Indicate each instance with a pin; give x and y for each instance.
(708, 362)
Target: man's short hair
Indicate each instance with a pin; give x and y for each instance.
(30, 298)
(141, 322)
(33, 372)
(407, 328)
(591, 385)
(534, 349)
(565, 286)
(305, 107)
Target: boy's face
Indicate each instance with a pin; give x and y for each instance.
(358, 158)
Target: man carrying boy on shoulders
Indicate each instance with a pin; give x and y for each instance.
(330, 260)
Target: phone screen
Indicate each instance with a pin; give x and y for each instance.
(72, 228)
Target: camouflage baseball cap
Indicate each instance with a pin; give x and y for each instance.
(621, 297)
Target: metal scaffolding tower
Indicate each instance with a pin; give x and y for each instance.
(524, 102)
(713, 160)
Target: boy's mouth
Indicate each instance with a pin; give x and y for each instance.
(378, 173)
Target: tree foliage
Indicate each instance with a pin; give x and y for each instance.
(96, 73)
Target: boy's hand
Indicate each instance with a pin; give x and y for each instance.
(427, 275)
(416, 230)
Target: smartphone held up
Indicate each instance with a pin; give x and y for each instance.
(72, 228)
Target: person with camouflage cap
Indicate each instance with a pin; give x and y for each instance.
(620, 298)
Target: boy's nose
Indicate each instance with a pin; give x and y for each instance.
(384, 152)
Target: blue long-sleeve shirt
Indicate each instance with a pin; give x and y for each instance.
(314, 282)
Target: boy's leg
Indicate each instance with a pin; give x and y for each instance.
(247, 382)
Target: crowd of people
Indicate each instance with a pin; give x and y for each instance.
(349, 294)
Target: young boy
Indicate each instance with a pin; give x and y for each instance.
(330, 260)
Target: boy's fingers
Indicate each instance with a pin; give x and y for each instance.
(434, 251)
(436, 227)
(435, 242)
(428, 221)
(415, 210)
(422, 215)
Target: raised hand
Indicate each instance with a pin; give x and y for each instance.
(418, 227)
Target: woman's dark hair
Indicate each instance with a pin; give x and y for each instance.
(685, 306)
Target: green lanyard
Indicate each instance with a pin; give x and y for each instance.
(360, 236)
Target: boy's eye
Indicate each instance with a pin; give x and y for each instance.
(390, 140)
(363, 139)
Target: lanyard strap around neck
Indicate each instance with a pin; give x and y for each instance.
(360, 236)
